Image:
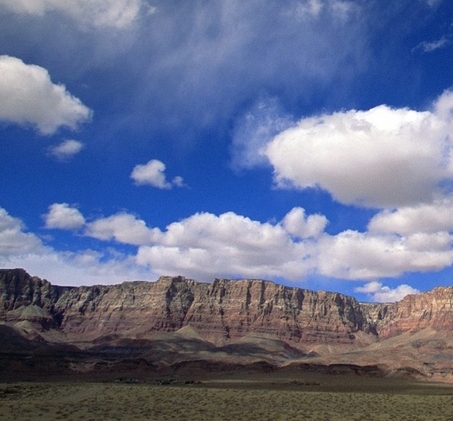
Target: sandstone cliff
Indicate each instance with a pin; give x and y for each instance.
(432, 309)
(221, 312)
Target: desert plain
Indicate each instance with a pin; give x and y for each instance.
(178, 349)
(234, 395)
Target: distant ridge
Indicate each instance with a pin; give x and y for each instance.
(325, 326)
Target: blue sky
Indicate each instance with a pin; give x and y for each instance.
(309, 142)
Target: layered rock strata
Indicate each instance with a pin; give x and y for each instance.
(221, 311)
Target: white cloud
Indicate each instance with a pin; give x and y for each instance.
(233, 245)
(354, 255)
(178, 181)
(384, 294)
(99, 13)
(62, 216)
(28, 97)
(298, 225)
(383, 157)
(236, 246)
(429, 47)
(85, 267)
(14, 240)
(153, 174)
(425, 217)
(202, 246)
(254, 130)
(205, 245)
(66, 149)
(19, 248)
(122, 227)
(433, 3)
(340, 9)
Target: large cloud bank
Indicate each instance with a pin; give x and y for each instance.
(205, 245)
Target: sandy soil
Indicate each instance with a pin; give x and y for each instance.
(227, 400)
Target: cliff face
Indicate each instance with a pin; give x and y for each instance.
(27, 298)
(432, 309)
(222, 311)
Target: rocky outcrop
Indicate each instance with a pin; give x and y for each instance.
(264, 308)
(221, 312)
(27, 298)
(432, 309)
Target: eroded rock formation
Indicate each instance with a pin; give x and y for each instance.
(220, 311)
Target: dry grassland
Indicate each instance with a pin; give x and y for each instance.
(114, 401)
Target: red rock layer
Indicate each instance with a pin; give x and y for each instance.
(221, 311)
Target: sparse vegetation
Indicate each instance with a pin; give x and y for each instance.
(221, 400)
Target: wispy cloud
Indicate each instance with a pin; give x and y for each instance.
(430, 46)
(99, 13)
(66, 150)
(254, 129)
(433, 3)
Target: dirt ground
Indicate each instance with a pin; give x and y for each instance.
(226, 398)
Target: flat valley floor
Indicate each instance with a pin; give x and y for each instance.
(226, 396)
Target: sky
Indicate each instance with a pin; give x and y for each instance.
(307, 142)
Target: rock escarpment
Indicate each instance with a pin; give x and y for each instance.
(221, 312)
(432, 309)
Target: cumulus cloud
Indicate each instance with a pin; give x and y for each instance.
(14, 239)
(206, 245)
(99, 13)
(378, 292)
(298, 225)
(63, 216)
(122, 227)
(84, 267)
(233, 244)
(20, 248)
(153, 174)
(355, 255)
(382, 157)
(66, 149)
(29, 97)
(436, 216)
(292, 248)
